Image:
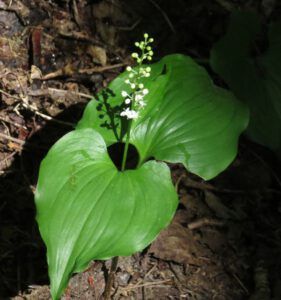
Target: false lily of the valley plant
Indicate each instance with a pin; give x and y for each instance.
(170, 111)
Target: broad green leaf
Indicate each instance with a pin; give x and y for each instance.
(87, 209)
(254, 78)
(187, 120)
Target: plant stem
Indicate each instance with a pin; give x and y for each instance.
(126, 147)
(110, 279)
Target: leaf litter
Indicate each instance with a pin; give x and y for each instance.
(224, 242)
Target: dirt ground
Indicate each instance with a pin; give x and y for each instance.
(225, 240)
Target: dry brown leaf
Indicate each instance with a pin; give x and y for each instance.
(98, 54)
(177, 243)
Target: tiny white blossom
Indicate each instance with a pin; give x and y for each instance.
(130, 114)
(135, 99)
(138, 97)
(133, 114)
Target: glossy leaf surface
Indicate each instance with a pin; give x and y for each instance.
(187, 119)
(253, 74)
(87, 209)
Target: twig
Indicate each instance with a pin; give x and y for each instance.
(5, 159)
(35, 110)
(165, 16)
(7, 120)
(10, 138)
(69, 71)
(101, 69)
(59, 92)
(129, 28)
(240, 283)
(109, 283)
(205, 222)
(160, 282)
(46, 117)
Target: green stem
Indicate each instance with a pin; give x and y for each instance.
(126, 147)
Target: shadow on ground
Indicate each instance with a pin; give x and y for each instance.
(22, 252)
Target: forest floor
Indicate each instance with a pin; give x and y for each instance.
(225, 239)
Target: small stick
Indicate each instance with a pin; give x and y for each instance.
(101, 69)
(10, 138)
(205, 222)
(109, 283)
(7, 120)
(160, 282)
(35, 110)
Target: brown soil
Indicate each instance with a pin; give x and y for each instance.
(225, 240)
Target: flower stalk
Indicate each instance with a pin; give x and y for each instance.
(135, 99)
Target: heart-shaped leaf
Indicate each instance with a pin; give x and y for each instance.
(187, 119)
(255, 78)
(87, 209)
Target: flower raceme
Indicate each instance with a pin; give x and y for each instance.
(135, 99)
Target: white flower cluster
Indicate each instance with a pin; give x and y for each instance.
(135, 99)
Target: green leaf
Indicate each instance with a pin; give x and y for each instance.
(254, 79)
(187, 120)
(87, 209)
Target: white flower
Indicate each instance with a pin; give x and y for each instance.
(133, 114)
(124, 94)
(141, 86)
(138, 97)
(142, 103)
(129, 68)
(128, 101)
(133, 86)
(145, 91)
(130, 114)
